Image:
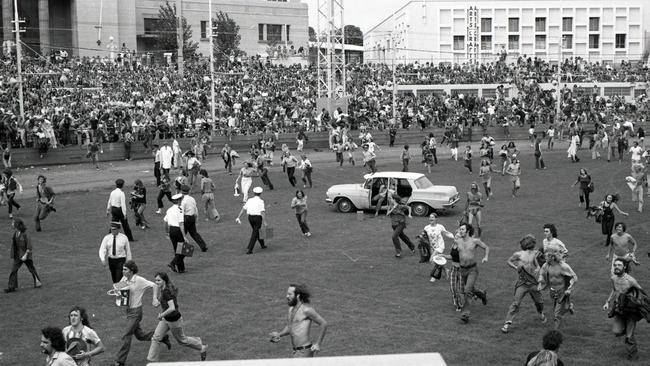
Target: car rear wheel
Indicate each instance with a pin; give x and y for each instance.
(344, 205)
(419, 209)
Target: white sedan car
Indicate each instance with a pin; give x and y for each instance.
(423, 196)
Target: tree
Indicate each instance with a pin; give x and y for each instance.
(167, 36)
(227, 38)
(312, 34)
(353, 35)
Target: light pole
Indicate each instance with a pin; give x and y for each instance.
(19, 56)
(211, 65)
(179, 31)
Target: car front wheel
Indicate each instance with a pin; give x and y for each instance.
(419, 209)
(344, 205)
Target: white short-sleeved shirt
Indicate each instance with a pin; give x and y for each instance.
(254, 206)
(636, 152)
(136, 286)
(435, 237)
(174, 216)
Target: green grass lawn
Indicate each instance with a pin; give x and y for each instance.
(373, 302)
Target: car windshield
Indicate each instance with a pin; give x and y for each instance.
(423, 183)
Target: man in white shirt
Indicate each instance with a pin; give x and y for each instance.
(254, 207)
(116, 207)
(190, 215)
(166, 157)
(636, 152)
(174, 219)
(115, 250)
(136, 286)
(435, 232)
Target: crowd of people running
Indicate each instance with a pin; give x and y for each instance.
(91, 102)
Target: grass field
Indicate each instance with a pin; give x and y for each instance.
(374, 303)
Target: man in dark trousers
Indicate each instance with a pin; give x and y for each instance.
(45, 201)
(115, 250)
(255, 210)
(190, 214)
(156, 162)
(116, 207)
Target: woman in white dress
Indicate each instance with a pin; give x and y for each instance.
(572, 152)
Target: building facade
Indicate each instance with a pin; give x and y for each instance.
(97, 27)
(484, 30)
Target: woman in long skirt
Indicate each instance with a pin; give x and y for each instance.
(607, 224)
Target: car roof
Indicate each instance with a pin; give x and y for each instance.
(405, 175)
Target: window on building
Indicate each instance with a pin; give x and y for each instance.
(540, 42)
(567, 41)
(567, 24)
(459, 42)
(513, 42)
(486, 42)
(486, 25)
(274, 32)
(204, 29)
(513, 24)
(594, 41)
(260, 32)
(594, 24)
(620, 41)
(150, 25)
(540, 24)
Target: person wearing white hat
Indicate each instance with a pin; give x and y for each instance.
(174, 220)
(255, 210)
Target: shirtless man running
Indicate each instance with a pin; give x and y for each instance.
(525, 262)
(299, 320)
(623, 247)
(468, 267)
(623, 323)
(559, 276)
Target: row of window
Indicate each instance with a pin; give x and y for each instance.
(540, 42)
(273, 32)
(540, 24)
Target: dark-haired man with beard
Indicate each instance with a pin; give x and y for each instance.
(624, 323)
(299, 320)
(525, 262)
(467, 245)
(53, 346)
(623, 247)
(560, 278)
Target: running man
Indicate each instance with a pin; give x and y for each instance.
(560, 278)
(467, 245)
(624, 321)
(301, 315)
(623, 247)
(525, 262)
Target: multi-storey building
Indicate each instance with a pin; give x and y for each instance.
(78, 25)
(484, 30)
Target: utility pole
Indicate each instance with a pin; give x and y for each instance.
(558, 107)
(179, 30)
(19, 56)
(393, 45)
(211, 64)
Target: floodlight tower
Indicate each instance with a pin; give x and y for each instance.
(329, 39)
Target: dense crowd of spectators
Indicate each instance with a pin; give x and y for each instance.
(72, 101)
